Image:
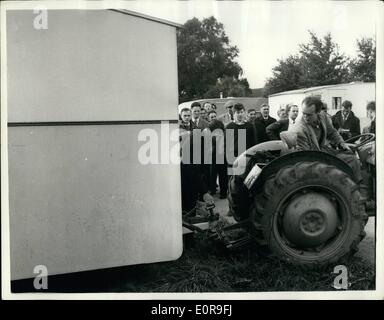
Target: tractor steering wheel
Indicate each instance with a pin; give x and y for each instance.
(360, 140)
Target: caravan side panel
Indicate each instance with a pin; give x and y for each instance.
(79, 94)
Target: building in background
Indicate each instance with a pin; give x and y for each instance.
(359, 93)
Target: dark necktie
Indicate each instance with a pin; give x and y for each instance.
(344, 119)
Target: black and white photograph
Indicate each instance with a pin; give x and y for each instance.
(191, 149)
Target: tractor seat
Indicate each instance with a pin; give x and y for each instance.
(289, 139)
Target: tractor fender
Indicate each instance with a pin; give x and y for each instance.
(301, 156)
(240, 165)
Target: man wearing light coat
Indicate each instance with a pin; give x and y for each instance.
(315, 131)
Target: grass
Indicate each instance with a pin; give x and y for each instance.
(207, 266)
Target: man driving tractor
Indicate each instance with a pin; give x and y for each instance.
(315, 132)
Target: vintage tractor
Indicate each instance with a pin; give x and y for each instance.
(305, 206)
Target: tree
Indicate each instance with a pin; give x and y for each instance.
(322, 62)
(364, 67)
(229, 87)
(286, 76)
(317, 63)
(204, 56)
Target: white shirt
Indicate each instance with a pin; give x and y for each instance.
(291, 123)
(196, 121)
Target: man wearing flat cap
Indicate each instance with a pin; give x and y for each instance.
(227, 117)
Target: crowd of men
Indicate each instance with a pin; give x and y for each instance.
(314, 130)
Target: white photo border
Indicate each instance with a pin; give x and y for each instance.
(376, 294)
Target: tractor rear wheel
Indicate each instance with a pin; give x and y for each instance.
(311, 214)
(239, 198)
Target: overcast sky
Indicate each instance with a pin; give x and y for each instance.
(265, 31)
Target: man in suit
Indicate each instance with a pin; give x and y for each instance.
(185, 122)
(203, 125)
(251, 115)
(274, 129)
(227, 117)
(315, 132)
(197, 121)
(346, 122)
(191, 181)
(219, 166)
(261, 123)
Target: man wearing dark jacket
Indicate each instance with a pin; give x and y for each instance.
(219, 166)
(237, 130)
(261, 123)
(274, 129)
(191, 181)
(345, 122)
(196, 118)
(199, 123)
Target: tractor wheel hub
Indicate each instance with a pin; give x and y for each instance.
(309, 220)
